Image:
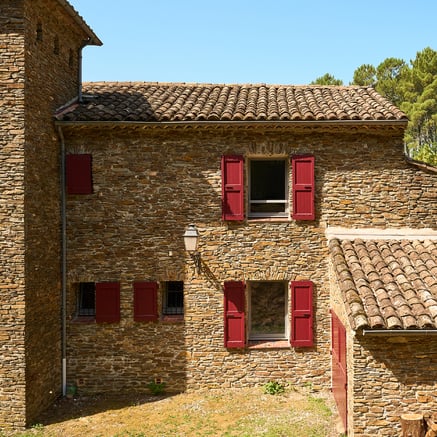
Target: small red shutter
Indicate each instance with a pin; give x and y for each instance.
(303, 187)
(301, 314)
(234, 304)
(145, 301)
(107, 302)
(232, 187)
(79, 174)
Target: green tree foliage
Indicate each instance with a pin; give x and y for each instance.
(414, 89)
(365, 75)
(327, 79)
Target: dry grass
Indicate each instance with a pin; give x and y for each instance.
(226, 412)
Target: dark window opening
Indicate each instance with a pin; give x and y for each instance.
(268, 187)
(39, 32)
(56, 46)
(86, 299)
(173, 298)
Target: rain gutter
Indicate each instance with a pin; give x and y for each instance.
(239, 123)
(398, 332)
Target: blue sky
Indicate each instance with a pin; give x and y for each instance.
(251, 41)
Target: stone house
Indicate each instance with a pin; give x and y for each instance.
(316, 261)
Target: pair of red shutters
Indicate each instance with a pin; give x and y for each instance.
(302, 187)
(146, 309)
(301, 334)
(79, 181)
(108, 302)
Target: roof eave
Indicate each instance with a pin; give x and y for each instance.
(93, 39)
(332, 123)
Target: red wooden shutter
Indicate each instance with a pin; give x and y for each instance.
(79, 174)
(232, 187)
(301, 314)
(107, 302)
(303, 187)
(145, 301)
(234, 304)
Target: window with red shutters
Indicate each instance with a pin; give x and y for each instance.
(303, 187)
(107, 302)
(232, 187)
(79, 174)
(301, 314)
(234, 314)
(145, 301)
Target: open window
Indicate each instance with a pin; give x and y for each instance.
(268, 188)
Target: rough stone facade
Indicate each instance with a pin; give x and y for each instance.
(39, 72)
(149, 184)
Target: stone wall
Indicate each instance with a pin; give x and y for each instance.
(149, 184)
(53, 41)
(12, 247)
(393, 376)
(38, 72)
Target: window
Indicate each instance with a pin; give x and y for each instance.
(100, 300)
(86, 305)
(268, 308)
(173, 299)
(268, 188)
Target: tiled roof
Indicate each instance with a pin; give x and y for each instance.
(388, 284)
(180, 102)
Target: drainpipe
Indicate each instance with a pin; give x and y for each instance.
(79, 70)
(63, 266)
(399, 332)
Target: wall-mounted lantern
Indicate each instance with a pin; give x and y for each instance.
(191, 238)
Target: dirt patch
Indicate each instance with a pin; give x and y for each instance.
(226, 412)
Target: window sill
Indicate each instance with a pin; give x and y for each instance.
(83, 320)
(172, 319)
(269, 344)
(268, 219)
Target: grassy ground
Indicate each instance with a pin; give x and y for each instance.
(227, 412)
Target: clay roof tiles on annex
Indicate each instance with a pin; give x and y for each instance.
(387, 284)
(180, 102)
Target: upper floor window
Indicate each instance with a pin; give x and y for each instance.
(268, 188)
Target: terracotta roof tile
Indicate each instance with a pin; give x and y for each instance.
(172, 102)
(387, 284)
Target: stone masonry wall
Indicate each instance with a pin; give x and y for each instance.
(12, 362)
(149, 184)
(53, 41)
(393, 376)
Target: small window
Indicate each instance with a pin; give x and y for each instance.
(268, 310)
(56, 46)
(86, 302)
(39, 32)
(268, 188)
(173, 299)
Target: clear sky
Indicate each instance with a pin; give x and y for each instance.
(251, 41)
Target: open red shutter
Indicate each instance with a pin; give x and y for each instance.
(303, 187)
(301, 314)
(232, 187)
(79, 174)
(107, 302)
(234, 304)
(145, 301)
